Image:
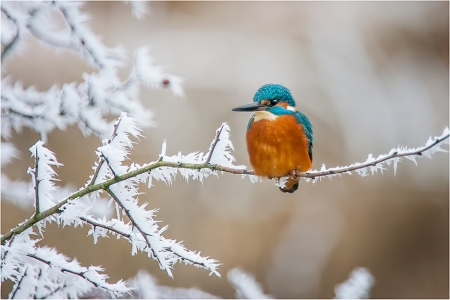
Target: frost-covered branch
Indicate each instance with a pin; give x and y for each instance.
(100, 94)
(9, 45)
(142, 232)
(394, 156)
(34, 173)
(43, 177)
(40, 271)
(195, 166)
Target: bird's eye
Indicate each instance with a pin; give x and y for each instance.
(273, 102)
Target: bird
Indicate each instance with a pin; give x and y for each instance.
(279, 137)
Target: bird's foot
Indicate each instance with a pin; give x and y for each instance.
(293, 174)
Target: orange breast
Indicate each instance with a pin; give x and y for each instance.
(278, 146)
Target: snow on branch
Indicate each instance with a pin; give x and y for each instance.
(41, 272)
(197, 166)
(43, 176)
(142, 231)
(124, 194)
(432, 146)
(86, 104)
(120, 183)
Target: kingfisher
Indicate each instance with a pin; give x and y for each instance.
(279, 137)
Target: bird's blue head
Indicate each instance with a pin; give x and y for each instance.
(274, 93)
(268, 96)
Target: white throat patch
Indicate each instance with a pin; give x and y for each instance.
(291, 108)
(264, 115)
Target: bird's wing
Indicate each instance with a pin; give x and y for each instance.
(307, 127)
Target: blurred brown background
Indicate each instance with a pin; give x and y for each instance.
(369, 75)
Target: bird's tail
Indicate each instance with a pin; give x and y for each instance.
(288, 185)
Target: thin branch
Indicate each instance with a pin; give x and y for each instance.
(17, 287)
(62, 269)
(7, 111)
(83, 120)
(43, 35)
(314, 175)
(128, 236)
(3, 260)
(82, 42)
(80, 274)
(11, 44)
(109, 228)
(135, 224)
(194, 166)
(214, 143)
(36, 183)
(101, 161)
(59, 288)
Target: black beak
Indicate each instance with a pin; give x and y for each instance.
(254, 106)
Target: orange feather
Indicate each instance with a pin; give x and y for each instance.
(276, 147)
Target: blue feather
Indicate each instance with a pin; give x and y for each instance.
(273, 91)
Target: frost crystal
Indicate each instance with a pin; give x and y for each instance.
(245, 285)
(357, 286)
(394, 156)
(42, 272)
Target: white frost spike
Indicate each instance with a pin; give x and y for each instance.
(219, 153)
(116, 149)
(163, 150)
(220, 148)
(254, 178)
(143, 231)
(43, 176)
(378, 164)
(42, 272)
(357, 286)
(245, 285)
